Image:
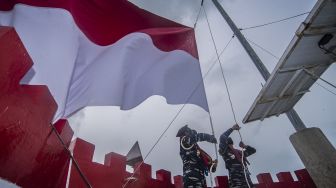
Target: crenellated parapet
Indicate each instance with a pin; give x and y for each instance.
(113, 173)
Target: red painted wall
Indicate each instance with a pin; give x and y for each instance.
(112, 173)
(30, 154)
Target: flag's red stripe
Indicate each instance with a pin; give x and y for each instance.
(106, 21)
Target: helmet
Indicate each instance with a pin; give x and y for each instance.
(182, 131)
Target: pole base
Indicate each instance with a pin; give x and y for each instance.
(317, 154)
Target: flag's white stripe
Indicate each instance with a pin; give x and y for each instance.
(131, 70)
(122, 74)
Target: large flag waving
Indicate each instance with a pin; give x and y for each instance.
(105, 52)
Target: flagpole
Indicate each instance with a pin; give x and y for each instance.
(314, 149)
(291, 114)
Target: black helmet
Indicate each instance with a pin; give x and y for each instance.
(182, 131)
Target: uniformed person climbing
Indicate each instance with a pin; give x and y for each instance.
(233, 160)
(194, 167)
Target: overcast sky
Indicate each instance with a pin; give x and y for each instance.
(111, 129)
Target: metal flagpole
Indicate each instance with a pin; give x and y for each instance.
(291, 114)
(314, 149)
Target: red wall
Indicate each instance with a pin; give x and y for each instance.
(112, 173)
(32, 156)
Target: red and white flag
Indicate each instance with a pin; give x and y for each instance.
(105, 53)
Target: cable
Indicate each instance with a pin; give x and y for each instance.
(229, 96)
(210, 117)
(273, 22)
(213, 40)
(199, 11)
(219, 61)
(223, 49)
(211, 124)
(264, 49)
(203, 78)
(86, 181)
(325, 88)
(317, 77)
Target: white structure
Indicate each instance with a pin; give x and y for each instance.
(303, 61)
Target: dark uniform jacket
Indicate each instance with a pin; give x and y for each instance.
(193, 166)
(232, 158)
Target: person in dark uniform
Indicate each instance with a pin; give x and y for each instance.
(194, 167)
(234, 162)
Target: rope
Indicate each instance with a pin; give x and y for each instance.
(216, 149)
(211, 182)
(244, 167)
(211, 123)
(210, 117)
(222, 71)
(213, 133)
(273, 22)
(199, 11)
(205, 75)
(86, 181)
(229, 96)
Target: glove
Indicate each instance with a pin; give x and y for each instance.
(213, 140)
(242, 145)
(235, 127)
